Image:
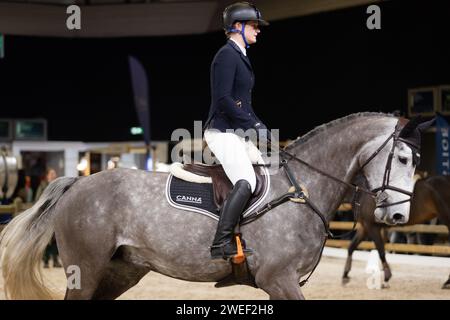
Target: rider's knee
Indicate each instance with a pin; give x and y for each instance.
(251, 181)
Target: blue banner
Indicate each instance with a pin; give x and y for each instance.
(442, 146)
(141, 101)
(140, 91)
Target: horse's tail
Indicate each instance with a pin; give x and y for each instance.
(23, 241)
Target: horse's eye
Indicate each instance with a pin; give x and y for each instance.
(403, 160)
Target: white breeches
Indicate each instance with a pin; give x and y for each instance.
(235, 155)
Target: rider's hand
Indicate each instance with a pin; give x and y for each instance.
(262, 132)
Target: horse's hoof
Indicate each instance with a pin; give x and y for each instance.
(385, 285)
(446, 285)
(345, 280)
(387, 275)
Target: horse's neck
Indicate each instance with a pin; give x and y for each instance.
(335, 152)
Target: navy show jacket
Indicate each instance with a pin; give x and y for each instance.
(232, 81)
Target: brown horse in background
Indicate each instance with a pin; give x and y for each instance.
(431, 198)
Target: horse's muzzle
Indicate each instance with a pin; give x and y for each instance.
(383, 216)
(398, 218)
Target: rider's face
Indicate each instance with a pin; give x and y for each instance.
(251, 31)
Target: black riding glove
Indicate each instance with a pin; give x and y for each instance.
(262, 132)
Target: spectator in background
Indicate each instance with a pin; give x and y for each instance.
(35, 168)
(25, 192)
(50, 175)
(52, 250)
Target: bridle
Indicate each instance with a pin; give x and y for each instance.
(379, 193)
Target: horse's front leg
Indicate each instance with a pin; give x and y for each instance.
(375, 233)
(359, 236)
(282, 286)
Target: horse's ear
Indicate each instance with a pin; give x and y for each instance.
(412, 131)
(425, 125)
(409, 130)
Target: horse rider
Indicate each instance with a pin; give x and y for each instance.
(231, 109)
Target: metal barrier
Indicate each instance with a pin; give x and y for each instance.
(440, 250)
(8, 174)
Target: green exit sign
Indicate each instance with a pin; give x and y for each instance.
(136, 130)
(2, 46)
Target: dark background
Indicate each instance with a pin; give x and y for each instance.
(309, 70)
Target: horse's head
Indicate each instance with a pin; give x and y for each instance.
(388, 163)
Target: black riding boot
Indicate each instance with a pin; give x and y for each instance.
(224, 246)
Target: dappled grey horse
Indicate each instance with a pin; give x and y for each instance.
(117, 225)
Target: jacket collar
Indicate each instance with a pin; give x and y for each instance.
(243, 57)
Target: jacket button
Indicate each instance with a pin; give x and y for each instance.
(249, 114)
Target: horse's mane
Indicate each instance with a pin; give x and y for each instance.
(333, 123)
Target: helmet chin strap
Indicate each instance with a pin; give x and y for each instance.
(242, 32)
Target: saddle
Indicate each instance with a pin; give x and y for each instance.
(204, 188)
(222, 186)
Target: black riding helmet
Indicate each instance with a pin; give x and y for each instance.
(241, 11)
